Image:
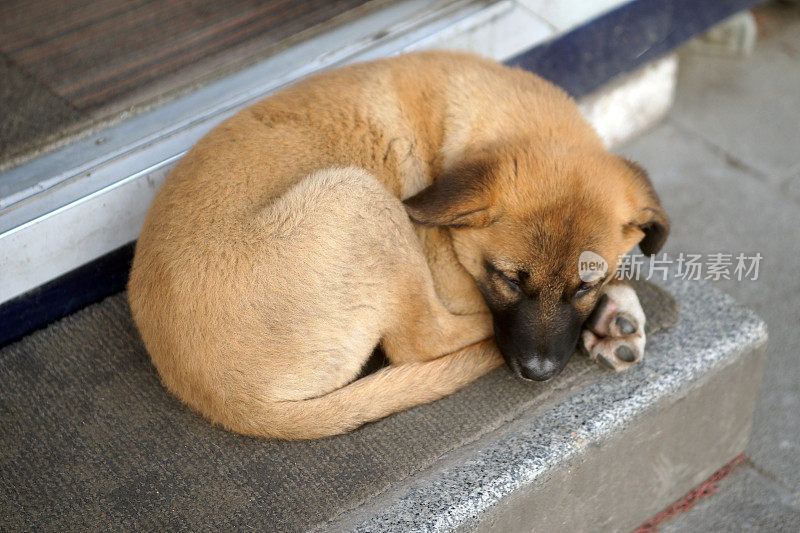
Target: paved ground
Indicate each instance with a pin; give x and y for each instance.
(727, 165)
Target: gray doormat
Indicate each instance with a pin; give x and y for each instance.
(90, 440)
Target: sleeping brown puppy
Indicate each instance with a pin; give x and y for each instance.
(433, 204)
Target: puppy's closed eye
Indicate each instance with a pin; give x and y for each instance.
(584, 289)
(512, 281)
(514, 284)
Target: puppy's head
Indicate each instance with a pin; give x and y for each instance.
(519, 220)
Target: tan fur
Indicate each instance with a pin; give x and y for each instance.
(277, 254)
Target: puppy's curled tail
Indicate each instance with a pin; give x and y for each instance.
(389, 390)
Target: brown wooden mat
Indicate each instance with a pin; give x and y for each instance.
(99, 54)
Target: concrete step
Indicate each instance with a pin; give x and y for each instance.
(607, 451)
(91, 440)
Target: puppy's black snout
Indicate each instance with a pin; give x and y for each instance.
(538, 369)
(536, 344)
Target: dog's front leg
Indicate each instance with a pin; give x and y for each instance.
(614, 333)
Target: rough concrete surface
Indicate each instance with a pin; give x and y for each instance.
(773, 509)
(726, 163)
(660, 453)
(607, 452)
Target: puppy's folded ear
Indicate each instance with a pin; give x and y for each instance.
(650, 216)
(460, 197)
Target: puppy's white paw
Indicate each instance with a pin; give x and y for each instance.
(614, 333)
